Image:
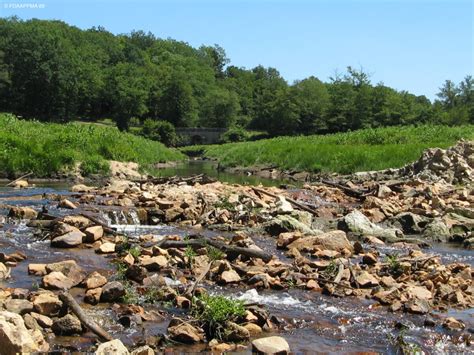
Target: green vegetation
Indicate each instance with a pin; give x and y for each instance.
(52, 71)
(215, 311)
(363, 150)
(49, 148)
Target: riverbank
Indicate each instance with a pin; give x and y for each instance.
(61, 151)
(343, 153)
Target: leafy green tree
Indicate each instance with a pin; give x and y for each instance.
(161, 131)
(220, 109)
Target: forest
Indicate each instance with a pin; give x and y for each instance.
(51, 71)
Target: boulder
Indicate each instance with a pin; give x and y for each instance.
(410, 223)
(453, 324)
(47, 303)
(22, 213)
(136, 273)
(112, 291)
(364, 279)
(334, 240)
(37, 269)
(94, 280)
(19, 306)
(43, 321)
(57, 281)
(77, 221)
(184, 332)
(20, 184)
(154, 263)
(143, 350)
(113, 347)
(67, 325)
(106, 248)
(417, 306)
(230, 276)
(271, 345)
(81, 188)
(253, 329)
(437, 231)
(14, 337)
(286, 223)
(359, 224)
(68, 240)
(92, 295)
(286, 238)
(93, 234)
(70, 269)
(4, 271)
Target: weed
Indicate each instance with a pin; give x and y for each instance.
(35, 285)
(121, 270)
(151, 295)
(190, 254)
(403, 345)
(214, 311)
(331, 270)
(214, 254)
(131, 296)
(135, 251)
(393, 264)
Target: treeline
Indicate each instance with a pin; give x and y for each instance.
(56, 72)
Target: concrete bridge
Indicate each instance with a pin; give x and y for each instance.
(197, 135)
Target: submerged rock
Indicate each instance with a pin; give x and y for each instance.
(22, 213)
(113, 347)
(271, 345)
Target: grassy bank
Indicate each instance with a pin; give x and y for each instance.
(47, 148)
(370, 149)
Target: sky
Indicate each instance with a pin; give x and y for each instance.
(412, 45)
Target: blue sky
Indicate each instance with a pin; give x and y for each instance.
(407, 44)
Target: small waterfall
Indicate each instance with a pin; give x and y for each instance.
(121, 217)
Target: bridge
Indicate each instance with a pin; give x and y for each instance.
(198, 135)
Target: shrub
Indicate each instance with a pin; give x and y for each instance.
(235, 134)
(161, 131)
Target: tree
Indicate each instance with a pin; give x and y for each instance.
(220, 109)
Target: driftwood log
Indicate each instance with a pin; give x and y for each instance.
(85, 320)
(290, 200)
(21, 177)
(228, 249)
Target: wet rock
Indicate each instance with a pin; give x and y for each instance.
(46, 303)
(373, 240)
(14, 337)
(113, 347)
(417, 306)
(364, 279)
(154, 263)
(19, 306)
(173, 214)
(94, 280)
(183, 302)
(65, 203)
(271, 345)
(334, 240)
(92, 296)
(67, 325)
(112, 291)
(184, 332)
(437, 231)
(453, 324)
(4, 271)
(22, 213)
(429, 322)
(37, 269)
(93, 234)
(57, 281)
(230, 276)
(359, 224)
(235, 332)
(20, 293)
(106, 248)
(80, 222)
(68, 240)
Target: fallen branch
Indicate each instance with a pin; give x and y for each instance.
(290, 200)
(106, 228)
(228, 249)
(192, 288)
(85, 320)
(21, 177)
(347, 190)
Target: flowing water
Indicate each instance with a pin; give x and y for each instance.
(313, 323)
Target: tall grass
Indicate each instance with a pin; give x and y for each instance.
(47, 148)
(363, 150)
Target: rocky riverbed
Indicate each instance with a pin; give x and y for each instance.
(193, 264)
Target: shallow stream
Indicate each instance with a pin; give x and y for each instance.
(315, 323)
